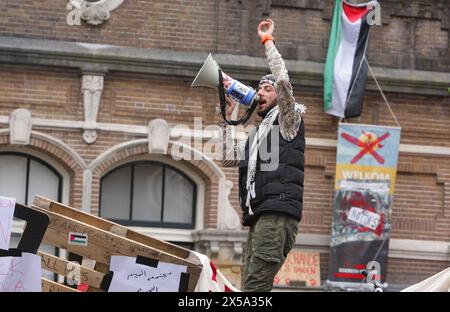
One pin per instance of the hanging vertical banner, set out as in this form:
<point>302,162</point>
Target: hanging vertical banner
<point>366,166</point>
<point>367,152</point>
<point>345,70</point>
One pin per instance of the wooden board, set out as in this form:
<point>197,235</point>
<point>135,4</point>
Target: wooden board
<point>63,267</point>
<point>102,243</point>
<point>103,224</point>
<point>50,286</point>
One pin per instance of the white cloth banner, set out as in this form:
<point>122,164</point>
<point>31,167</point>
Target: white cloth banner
<point>211,279</point>
<point>439,282</point>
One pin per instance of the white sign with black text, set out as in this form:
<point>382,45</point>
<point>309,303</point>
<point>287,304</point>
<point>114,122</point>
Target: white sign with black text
<point>130,276</point>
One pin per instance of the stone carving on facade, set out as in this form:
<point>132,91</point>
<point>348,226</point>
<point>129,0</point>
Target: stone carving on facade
<point>230,218</point>
<point>158,136</point>
<point>214,249</point>
<point>20,127</point>
<point>92,87</point>
<point>220,246</point>
<point>93,12</point>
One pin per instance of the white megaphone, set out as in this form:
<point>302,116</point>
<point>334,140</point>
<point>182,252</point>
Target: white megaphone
<point>210,76</point>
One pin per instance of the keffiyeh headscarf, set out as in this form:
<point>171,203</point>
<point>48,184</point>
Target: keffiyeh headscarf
<point>269,78</point>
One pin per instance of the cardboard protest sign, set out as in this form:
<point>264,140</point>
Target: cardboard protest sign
<point>301,268</point>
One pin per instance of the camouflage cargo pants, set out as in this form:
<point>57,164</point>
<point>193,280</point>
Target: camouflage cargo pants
<point>268,243</point>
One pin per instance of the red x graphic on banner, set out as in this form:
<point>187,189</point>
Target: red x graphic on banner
<point>369,145</point>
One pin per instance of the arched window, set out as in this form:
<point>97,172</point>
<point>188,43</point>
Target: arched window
<point>148,193</point>
<point>24,176</point>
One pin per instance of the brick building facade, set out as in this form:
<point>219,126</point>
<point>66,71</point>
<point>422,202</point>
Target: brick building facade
<point>92,91</point>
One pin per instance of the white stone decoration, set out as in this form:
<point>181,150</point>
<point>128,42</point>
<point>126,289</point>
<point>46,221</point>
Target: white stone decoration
<point>92,87</point>
<point>20,127</point>
<point>238,250</point>
<point>158,136</point>
<point>214,248</point>
<point>89,136</point>
<point>86,197</point>
<point>230,218</point>
<point>93,12</point>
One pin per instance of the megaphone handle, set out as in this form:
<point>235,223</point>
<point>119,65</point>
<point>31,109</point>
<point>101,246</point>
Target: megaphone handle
<point>235,112</point>
<point>223,104</point>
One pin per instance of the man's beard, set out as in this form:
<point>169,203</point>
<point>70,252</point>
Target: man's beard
<point>264,112</point>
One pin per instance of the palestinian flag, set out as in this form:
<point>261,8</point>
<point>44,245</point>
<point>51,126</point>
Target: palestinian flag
<point>345,68</point>
<point>80,239</point>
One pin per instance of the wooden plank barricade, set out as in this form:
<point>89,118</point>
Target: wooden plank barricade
<point>104,239</point>
<point>63,267</point>
<point>51,286</point>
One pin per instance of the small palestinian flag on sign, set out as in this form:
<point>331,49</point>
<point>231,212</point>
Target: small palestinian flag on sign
<point>79,239</point>
<point>345,67</point>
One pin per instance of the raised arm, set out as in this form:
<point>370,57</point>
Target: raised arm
<point>289,117</point>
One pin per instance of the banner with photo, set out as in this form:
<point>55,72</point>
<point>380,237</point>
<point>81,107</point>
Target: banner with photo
<point>366,166</point>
